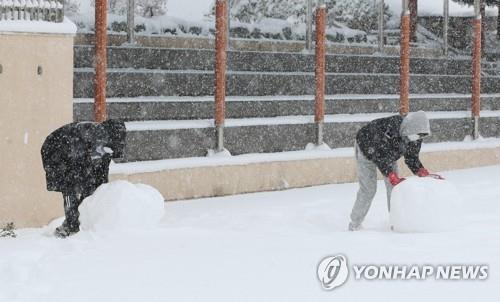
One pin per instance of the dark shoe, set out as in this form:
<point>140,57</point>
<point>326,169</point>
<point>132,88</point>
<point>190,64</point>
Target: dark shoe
<point>355,227</point>
<point>65,231</point>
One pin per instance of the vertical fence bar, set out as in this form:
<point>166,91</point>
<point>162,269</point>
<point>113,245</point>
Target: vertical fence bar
<point>413,7</point>
<point>100,114</point>
<point>24,7</point>
<point>404,85</point>
<point>53,11</point>
<point>44,10</point>
<point>309,24</point>
<point>37,9</point>
<point>228,24</point>
<point>131,22</point>
<point>17,5</point>
<point>381,8</point>
<point>62,11</point>
<point>319,111</point>
<point>220,70</point>
<point>446,13</point>
<point>476,72</point>
<point>40,9</point>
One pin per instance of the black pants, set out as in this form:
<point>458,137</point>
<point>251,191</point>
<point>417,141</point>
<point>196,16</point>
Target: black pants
<point>71,203</point>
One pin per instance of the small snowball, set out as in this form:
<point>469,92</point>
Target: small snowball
<point>122,205</point>
<point>214,153</point>
<point>314,147</point>
<point>425,205</point>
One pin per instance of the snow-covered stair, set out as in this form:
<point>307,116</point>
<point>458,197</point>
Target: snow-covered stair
<point>145,71</point>
<point>165,97</point>
<point>189,107</point>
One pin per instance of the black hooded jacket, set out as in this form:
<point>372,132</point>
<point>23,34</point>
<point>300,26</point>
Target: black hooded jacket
<point>383,142</point>
<point>76,157</point>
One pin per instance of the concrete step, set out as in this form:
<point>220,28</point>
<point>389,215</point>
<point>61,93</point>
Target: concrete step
<point>146,82</point>
<point>185,108</point>
<point>491,72</point>
<point>203,59</point>
<point>181,139</point>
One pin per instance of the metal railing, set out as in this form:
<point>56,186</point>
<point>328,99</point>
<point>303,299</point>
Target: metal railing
<point>32,10</point>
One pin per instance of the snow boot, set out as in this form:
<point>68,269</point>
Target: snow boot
<point>65,231</point>
<point>71,224</point>
<point>355,227</point>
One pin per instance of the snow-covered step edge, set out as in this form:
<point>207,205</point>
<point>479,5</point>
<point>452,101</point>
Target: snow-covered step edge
<point>277,73</point>
<point>288,120</point>
<point>245,159</point>
<point>275,52</point>
<point>167,99</point>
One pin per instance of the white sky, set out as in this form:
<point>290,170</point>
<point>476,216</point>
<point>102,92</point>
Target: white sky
<point>194,10</point>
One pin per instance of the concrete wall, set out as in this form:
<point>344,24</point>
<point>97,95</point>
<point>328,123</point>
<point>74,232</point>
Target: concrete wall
<point>32,106</point>
<point>200,182</point>
<point>252,45</point>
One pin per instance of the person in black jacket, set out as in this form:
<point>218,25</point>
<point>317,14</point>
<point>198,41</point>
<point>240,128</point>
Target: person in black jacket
<point>76,160</point>
<point>380,144</point>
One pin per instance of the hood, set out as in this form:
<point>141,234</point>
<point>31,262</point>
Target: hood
<point>415,123</point>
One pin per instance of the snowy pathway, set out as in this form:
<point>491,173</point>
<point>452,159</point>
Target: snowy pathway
<point>257,247</point>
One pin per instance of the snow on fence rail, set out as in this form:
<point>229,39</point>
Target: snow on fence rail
<point>32,10</point>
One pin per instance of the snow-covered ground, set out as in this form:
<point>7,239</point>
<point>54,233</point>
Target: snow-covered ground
<point>257,247</point>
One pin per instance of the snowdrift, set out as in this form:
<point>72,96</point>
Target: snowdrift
<point>122,205</point>
<point>425,205</point>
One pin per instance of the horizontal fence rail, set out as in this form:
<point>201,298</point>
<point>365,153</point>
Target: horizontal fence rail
<point>32,10</point>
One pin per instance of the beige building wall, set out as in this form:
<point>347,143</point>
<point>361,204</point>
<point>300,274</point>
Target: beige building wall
<point>32,106</point>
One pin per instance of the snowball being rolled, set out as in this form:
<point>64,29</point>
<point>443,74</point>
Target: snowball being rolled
<point>425,204</point>
<point>122,205</point>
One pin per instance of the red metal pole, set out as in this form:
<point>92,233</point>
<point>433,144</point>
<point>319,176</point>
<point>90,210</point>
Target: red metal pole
<point>476,77</point>
<point>220,70</point>
<point>320,72</point>
<point>404,85</point>
<point>100,114</point>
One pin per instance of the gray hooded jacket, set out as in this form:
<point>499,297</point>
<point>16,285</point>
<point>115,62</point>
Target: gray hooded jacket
<point>386,140</point>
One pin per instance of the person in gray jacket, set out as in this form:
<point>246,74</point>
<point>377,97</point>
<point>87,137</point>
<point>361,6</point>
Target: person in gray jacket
<point>380,144</point>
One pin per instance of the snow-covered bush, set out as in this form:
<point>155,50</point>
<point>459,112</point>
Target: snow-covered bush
<point>144,8</point>
<point>250,19</point>
<point>118,7</point>
<point>71,7</point>
<point>8,230</point>
<point>359,14</point>
<point>151,8</point>
<point>282,20</point>
<point>252,11</point>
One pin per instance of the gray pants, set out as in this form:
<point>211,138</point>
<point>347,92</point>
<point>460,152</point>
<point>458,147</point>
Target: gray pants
<point>367,176</point>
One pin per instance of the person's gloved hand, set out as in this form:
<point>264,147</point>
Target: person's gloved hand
<point>394,179</point>
<point>423,172</point>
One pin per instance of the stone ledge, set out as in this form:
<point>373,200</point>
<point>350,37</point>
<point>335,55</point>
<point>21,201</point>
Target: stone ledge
<point>210,181</point>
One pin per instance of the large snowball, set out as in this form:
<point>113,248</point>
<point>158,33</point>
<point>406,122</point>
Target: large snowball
<point>425,205</point>
<point>122,205</point>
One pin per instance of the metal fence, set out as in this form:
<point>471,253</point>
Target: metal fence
<point>32,10</point>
